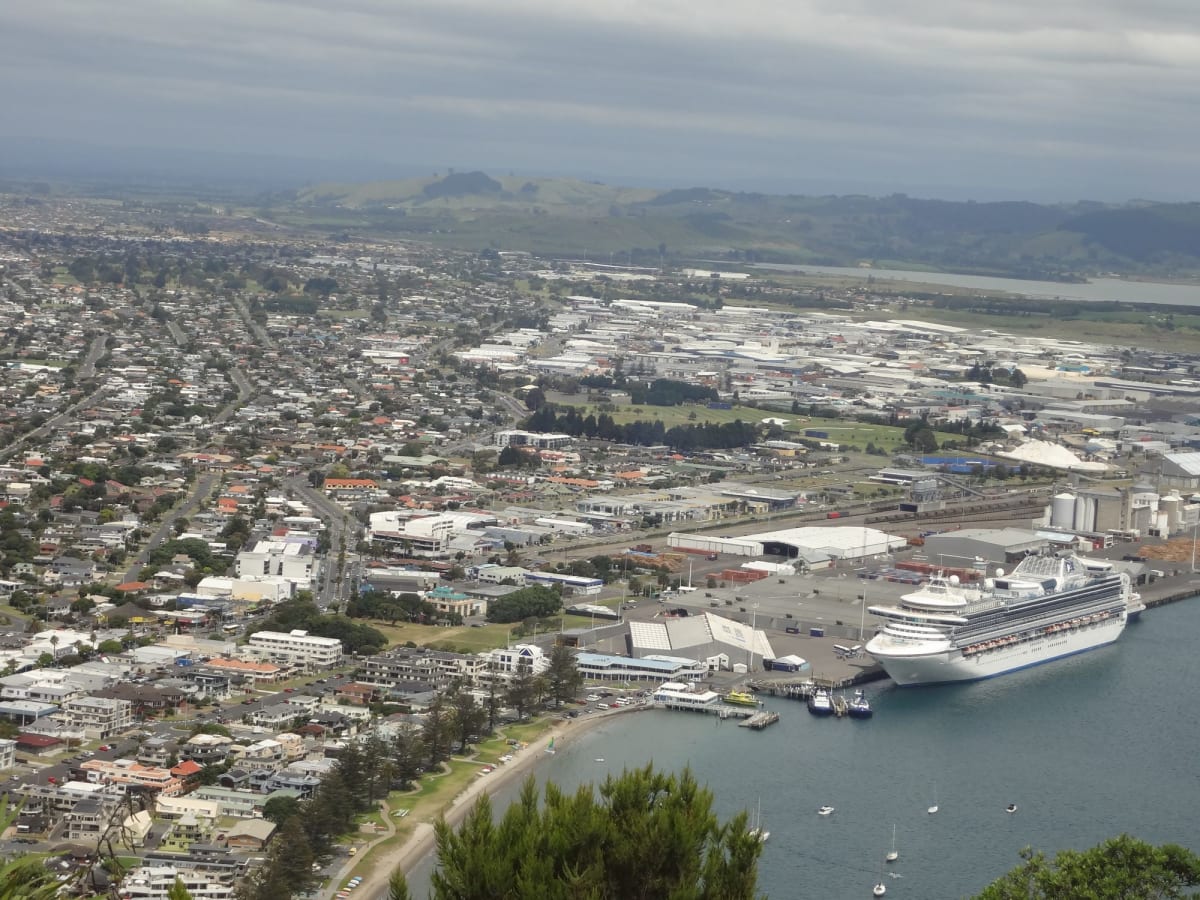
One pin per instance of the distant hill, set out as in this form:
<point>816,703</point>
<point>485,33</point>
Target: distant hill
<point>568,217</point>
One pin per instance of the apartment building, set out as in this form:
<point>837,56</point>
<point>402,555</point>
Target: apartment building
<point>126,772</point>
<point>98,717</point>
<point>417,664</point>
<point>8,754</point>
<point>155,883</point>
<point>297,647</point>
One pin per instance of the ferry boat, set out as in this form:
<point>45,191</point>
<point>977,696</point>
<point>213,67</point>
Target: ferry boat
<point>741,698</point>
<point>820,703</point>
<point>1050,606</point>
<point>859,707</point>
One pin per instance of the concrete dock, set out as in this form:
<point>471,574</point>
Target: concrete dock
<point>760,720</point>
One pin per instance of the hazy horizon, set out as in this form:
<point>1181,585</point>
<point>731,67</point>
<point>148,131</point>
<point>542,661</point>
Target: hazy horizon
<point>985,100</point>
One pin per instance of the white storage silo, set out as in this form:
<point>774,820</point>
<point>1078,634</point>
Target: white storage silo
<point>1087,520</point>
<point>1169,510</point>
<point>1062,511</point>
<point>1080,513</point>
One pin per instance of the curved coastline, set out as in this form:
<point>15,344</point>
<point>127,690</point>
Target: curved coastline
<point>422,841</point>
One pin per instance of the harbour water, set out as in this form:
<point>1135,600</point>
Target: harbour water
<point>1087,748</point>
<point>1097,289</point>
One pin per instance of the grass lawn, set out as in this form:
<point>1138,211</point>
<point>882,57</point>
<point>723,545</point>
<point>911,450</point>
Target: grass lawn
<point>466,638</point>
<point>1127,329</point>
<point>840,431</point>
<point>488,637</point>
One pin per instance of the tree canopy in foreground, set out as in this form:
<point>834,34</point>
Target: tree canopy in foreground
<point>1122,868</point>
<point>647,836</point>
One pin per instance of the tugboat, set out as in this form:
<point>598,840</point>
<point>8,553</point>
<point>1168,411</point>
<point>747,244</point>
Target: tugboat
<point>859,707</point>
<point>820,703</point>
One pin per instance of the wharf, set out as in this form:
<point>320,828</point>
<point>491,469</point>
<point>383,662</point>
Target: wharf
<point>1170,589</point>
<point>721,710</point>
<point>794,689</point>
<point>760,720</point>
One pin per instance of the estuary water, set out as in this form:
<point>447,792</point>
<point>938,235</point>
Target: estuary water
<point>1087,748</point>
<point>1097,289</point>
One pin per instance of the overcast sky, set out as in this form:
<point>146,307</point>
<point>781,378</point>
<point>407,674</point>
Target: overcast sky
<point>1059,99</point>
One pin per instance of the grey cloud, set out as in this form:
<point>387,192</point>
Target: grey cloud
<point>1100,93</point>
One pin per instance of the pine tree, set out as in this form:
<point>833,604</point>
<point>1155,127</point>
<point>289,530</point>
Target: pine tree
<point>647,836</point>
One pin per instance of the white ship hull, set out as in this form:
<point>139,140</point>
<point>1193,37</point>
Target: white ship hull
<point>908,668</point>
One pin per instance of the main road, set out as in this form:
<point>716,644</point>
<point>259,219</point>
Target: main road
<point>342,528</point>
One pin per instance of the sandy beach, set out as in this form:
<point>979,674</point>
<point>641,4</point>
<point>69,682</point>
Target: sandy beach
<point>422,840</point>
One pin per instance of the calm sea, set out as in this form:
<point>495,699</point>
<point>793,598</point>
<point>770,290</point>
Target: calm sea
<point>1102,289</point>
<point>1087,747</point>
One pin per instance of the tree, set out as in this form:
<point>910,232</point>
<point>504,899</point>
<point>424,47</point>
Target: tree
<point>647,835</point>
<point>288,869</point>
<point>178,891</point>
<point>1122,868</point>
<point>521,693</point>
<point>535,399</point>
<point>467,718</point>
<point>563,676</point>
<point>280,809</point>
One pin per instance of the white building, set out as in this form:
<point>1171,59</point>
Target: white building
<point>283,559</point>
<point>8,753</point>
<point>507,661</point>
<point>297,647</point>
<point>427,536</point>
<point>537,440</point>
<point>98,717</point>
<point>154,883</point>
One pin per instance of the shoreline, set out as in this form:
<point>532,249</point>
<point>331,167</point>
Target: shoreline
<point>422,841</point>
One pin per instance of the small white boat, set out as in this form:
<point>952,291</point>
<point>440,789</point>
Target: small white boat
<point>879,890</point>
<point>758,831</point>
<point>933,808</point>
<point>1011,808</point>
<point>893,854</point>
<point>824,810</point>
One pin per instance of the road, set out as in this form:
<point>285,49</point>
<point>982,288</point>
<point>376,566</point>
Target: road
<point>201,490</point>
<point>87,367</point>
<point>257,331</point>
<point>53,422</point>
<point>177,332</point>
<point>342,527</point>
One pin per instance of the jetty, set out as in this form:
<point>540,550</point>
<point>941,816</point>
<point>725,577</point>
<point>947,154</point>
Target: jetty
<point>760,720</point>
<point>720,710</point>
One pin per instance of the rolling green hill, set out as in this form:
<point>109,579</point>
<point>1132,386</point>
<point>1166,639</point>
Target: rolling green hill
<point>567,217</point>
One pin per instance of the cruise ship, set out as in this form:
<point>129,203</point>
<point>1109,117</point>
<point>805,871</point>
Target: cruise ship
<point>1048,607</point>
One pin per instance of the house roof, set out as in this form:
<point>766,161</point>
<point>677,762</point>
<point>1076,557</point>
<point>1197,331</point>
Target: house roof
<point>36,740</point>
<point>261,829</point>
